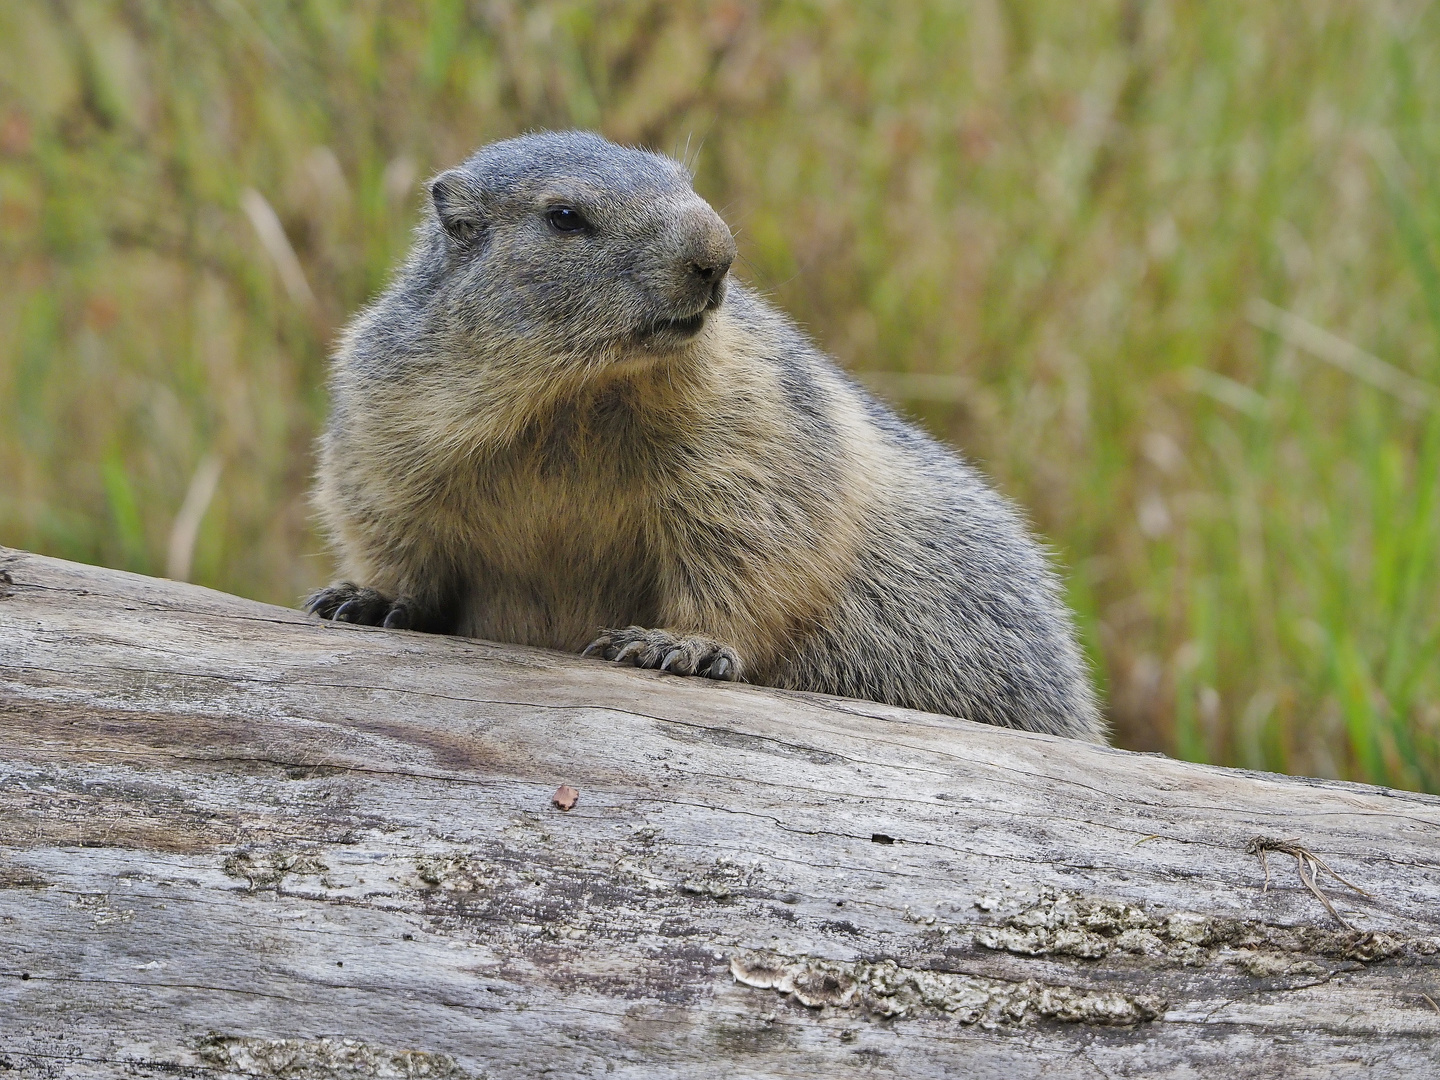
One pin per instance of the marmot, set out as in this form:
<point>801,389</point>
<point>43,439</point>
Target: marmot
<point>563,424</point>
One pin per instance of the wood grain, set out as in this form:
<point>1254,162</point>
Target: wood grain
<point>237,841</point>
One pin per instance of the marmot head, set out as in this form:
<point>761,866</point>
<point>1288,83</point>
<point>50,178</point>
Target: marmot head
<point>566,245</point>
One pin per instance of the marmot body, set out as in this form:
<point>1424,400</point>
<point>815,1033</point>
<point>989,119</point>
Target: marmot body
<point>563,425</point>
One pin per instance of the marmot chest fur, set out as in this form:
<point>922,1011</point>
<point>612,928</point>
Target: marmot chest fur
<point>564,425</point>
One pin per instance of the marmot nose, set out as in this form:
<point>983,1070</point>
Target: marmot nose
<point>707,249</point>
<point>710,270</point>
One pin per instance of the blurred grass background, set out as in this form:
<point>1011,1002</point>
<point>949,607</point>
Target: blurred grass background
<point>1168,270</point>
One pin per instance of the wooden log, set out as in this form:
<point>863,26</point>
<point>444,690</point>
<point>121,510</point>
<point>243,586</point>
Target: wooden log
<point>237,841</point>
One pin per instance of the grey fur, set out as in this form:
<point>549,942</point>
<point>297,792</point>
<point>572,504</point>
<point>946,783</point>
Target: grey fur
<point>592,439</point>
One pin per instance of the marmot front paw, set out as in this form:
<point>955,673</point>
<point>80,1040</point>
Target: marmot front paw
<point>690,655</point>
<point>348,602</point>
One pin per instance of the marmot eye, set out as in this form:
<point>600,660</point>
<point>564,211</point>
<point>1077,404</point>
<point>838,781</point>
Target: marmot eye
<point>566,219</point>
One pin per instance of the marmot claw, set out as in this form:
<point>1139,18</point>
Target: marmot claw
<point>664,651</point>
<point>348,602</point>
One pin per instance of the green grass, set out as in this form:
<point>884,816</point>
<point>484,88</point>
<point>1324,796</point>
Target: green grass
<point>1061,214</point>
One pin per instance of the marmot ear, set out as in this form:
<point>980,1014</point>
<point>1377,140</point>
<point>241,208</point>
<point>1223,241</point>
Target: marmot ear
<point>458,206</point>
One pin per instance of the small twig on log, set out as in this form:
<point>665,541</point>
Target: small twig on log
<point>1305,861</point>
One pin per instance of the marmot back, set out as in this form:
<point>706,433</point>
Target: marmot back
<point>564,425</point>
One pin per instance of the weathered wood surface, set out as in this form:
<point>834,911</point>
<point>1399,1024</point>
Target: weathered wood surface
<point>240,841</point>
